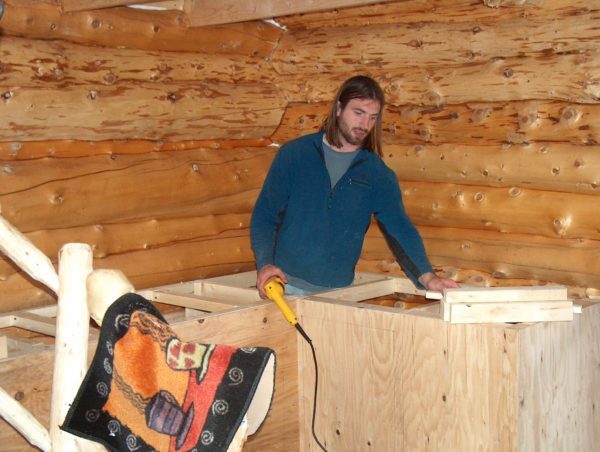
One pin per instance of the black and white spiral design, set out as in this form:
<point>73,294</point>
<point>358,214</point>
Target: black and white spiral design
<point>114,427</point>
<point>207,438</point>
<point>122,322</point>
<point>102,389</point>
<point>132,442</point>
<point>220,407</point>
<point>107,366</point>
<point>248,350</point>
<point>92,415</point>
<point>236,375</point>
<point>109,348</point>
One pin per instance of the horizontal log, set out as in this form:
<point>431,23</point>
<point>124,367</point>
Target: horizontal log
<point>418,11</point>
<point>481,123</point>
<point>119,238</point>
<point>51,64</point>
<point>510,210</point>
<point>178,111</point>
<point>466,277</point>
<point>391,46</point>
<point>19,291</point>
<point>514,122</point>
<point>27,150</point>
<point>137,29</point>
<point>183,261</point>
<point>573,262</point>
<point>500,79</point>
<point>60,193</point>
<point>543,166</point>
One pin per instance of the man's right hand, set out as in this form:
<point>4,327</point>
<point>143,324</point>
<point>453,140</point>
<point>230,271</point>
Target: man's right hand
<point>264,274</point>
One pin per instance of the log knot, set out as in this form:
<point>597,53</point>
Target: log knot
<point>7,95</point>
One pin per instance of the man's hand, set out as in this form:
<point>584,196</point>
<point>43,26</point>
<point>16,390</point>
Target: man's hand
<point>264,274</point>
<point>433,282</point>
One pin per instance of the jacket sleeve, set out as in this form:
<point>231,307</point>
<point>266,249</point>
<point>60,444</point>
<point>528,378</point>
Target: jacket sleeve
<point>402,236</point>
<point>270,208</point>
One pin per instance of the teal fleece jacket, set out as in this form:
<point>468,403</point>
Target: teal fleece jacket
<point>314,231</point>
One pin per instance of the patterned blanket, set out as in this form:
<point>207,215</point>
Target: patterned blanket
<point>148,390</point>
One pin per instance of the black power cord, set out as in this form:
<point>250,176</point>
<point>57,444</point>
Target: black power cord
<point>307,338</point>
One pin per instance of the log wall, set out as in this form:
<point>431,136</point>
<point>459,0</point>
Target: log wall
<point>148,139</point>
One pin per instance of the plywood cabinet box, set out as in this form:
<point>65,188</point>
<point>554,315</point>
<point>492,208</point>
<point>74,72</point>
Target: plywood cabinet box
<point>390,378</point>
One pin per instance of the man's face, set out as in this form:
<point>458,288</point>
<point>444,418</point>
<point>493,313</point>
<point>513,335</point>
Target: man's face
<point>356,120</point>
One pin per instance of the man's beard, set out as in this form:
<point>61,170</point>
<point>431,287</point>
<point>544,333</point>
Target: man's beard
<point>346,133</point>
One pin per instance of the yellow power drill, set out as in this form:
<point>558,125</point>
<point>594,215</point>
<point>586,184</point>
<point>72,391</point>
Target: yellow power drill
<point>274,288</point>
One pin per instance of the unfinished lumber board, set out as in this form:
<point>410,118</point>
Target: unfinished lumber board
<point>239,295</point>
<point>75,5</point>
<point>358,363</point>
<point>191,301</point>
<point>18,347</point>
<point>405,285</point>
<point>505,294</point>
<point>39,320</point>
<point>558,373</point>
<point>207,12</point>
<point>518,311</point>
<point>243,279</point>
<point>3,347</point>
<point>444,311</point>
<point>362,291</point>
<point>34,322</point>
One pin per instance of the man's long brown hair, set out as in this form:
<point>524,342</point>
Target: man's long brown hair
<point>357,87</point>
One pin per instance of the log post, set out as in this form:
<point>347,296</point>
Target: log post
<point>71,345</point>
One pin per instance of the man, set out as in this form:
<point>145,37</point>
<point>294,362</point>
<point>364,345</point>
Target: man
<point>310,219</point>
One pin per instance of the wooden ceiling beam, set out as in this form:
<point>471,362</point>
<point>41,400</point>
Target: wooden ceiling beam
<point>78,5</point>
<point>210,12</point>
